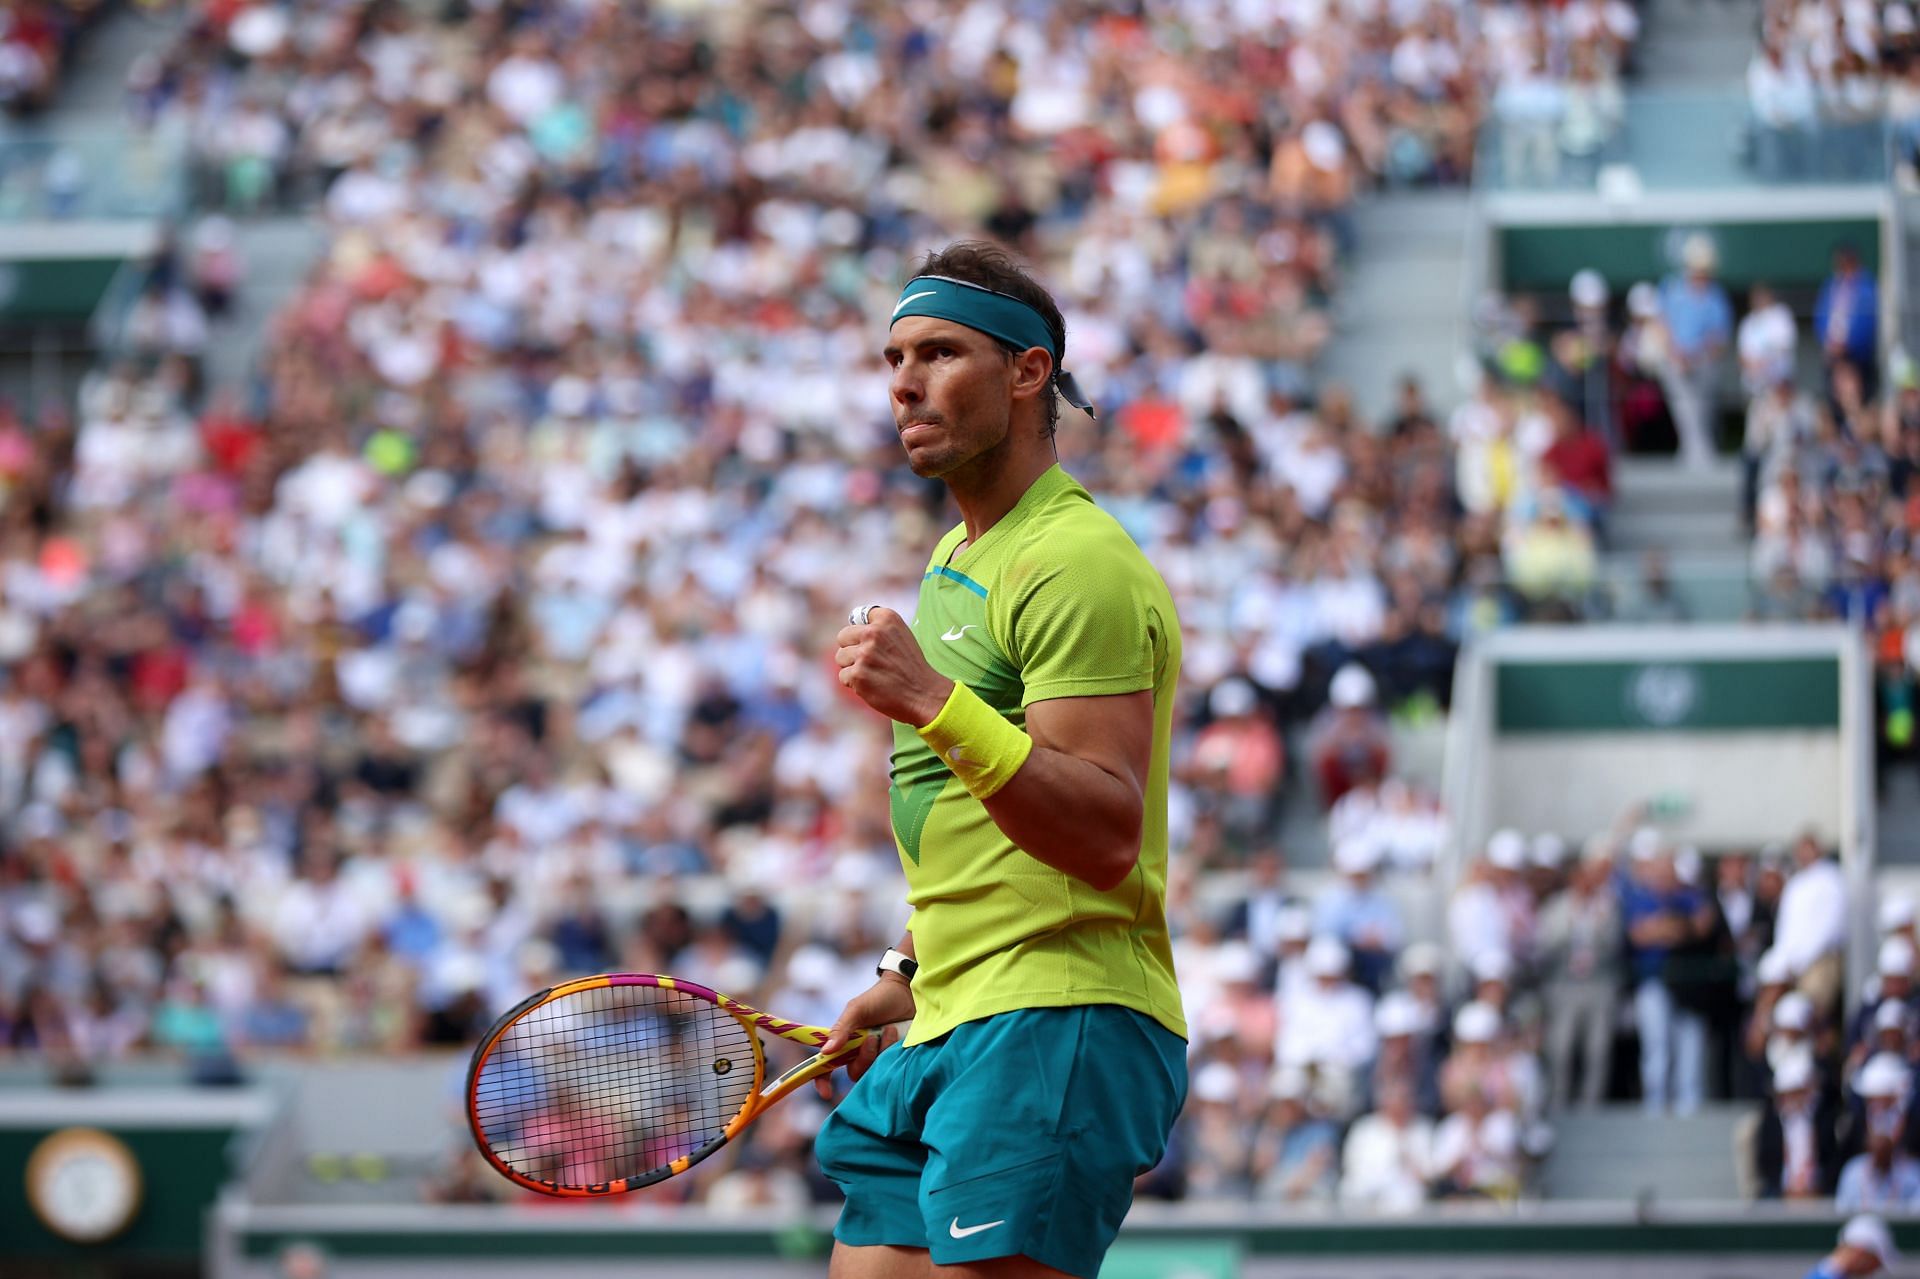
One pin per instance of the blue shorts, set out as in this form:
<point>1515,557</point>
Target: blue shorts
<point>1018,1134</point>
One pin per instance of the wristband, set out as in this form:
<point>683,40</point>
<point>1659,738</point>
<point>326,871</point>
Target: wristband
<point>896,962</point>
<point>980,745</point>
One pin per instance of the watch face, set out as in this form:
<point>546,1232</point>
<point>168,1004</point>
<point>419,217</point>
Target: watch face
<point>84,1184</point>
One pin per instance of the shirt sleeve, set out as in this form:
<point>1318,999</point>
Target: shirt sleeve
<point>1080,621</point>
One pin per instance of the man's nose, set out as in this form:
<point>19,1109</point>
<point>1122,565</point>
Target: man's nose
<point>907,388</point>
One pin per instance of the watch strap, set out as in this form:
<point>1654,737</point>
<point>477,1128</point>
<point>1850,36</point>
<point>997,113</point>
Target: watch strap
<point>897,962</point>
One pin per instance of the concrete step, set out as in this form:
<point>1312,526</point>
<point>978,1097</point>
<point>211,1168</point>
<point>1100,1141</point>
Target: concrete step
<point>278,252</point>
<point>1619,1152</point>
<point>1400,306</point>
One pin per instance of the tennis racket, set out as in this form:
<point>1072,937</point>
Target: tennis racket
<point>606,1084</point>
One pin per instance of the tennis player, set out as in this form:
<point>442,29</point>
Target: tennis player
<point>1032,698</point>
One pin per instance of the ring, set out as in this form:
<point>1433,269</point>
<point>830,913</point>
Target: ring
<point>859,616</point>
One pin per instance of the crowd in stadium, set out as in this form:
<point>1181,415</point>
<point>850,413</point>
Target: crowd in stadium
<point>1828,82</point>
<point>484,637</point>
<point>38,39</point>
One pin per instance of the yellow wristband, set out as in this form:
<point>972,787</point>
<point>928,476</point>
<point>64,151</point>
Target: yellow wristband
<point>981,746</point>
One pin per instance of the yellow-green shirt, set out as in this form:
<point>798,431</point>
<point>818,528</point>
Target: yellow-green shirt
<point>1054,600</point>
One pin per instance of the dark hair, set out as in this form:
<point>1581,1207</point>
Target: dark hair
<point>992,267</point>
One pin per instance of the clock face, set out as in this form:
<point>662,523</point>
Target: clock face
<point>85,1184</point>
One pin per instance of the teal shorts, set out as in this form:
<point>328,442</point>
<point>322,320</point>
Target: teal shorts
<point>1018,1134</point>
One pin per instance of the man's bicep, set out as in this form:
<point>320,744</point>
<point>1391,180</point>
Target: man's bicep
<point>1113,733</point>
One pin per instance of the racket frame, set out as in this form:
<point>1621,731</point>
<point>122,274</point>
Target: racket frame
<point>756,1103</point>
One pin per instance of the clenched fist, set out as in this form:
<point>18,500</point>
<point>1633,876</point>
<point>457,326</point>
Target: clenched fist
<point>881,662</point>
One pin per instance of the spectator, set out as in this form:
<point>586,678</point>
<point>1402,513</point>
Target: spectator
<point>1216,1137</point>
<point>1581,942</point>
<point>1846,316</point>
<point>1812,927</point>
<point>1884,1177</point>
<point>1296,1152</point>
<point>1780,95</point>
<point>1388,1156</point>
<point>1239,759</point>
<point>1661,915</point>
<point>1407,1055</point>
<point>1552,559</point>
<point>1328,1028</point>
<point>1348,742</point>
<point>1796,1151</point>
<point>1360,914</point>
<point>1493,909</point>
<point>1476,1149</point>
<point>1699,322</point>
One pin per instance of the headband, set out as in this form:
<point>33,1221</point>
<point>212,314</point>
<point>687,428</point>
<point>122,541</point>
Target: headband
<point>998,315</point>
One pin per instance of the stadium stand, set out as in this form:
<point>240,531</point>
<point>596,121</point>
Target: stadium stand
<point>477,637</point>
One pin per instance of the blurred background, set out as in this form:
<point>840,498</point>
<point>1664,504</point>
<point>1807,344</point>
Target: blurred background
<point>440,438</point>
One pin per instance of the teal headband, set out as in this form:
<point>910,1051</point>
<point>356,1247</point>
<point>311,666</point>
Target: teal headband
<point>998,315</point>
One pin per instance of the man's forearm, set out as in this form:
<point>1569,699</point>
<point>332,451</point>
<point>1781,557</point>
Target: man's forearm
<point>1073,815</point>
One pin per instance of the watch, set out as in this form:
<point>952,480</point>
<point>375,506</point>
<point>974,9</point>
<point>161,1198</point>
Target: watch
<point>896,962</point>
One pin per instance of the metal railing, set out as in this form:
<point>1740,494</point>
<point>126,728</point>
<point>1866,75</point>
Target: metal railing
<point>1668,140</point>
<point>55,175</point>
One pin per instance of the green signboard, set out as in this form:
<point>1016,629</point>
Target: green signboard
<point>54,290</point>
<point>1790,254</point>
<point>1682,696</point>
<point>181,1172</point>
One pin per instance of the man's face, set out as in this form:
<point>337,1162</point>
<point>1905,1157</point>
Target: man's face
<point>951,393</point>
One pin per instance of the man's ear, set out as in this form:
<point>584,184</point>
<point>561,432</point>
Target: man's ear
<point>1032,372</point>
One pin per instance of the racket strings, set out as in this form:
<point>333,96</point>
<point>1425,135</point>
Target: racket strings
<point>612,1083</point>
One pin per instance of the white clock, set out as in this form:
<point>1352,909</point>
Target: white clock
<point>84,1184</point>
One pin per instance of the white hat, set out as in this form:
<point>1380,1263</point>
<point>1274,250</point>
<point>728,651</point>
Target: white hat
<point>1217,1082</point>
<point>1793,1011</point>
<point>1230,697</point>
<point>1507,849</point>
<point>1476,1023</point>
<point>1289,1083</point>
<point>1773,968</point>
<point>1549,850</point>
<point>1327,958</point>
<point>1293,922</point>
<point>1352,687</point>
<point>1890,1015</point>
<point>1589,288</point>
<point>1896,957</point>
<point>1356,855</point>
<point>1643,301</point>
<point>1422,959</point>
<point>1397,1013</point>
<point>1884,1077</point>
<point>1699,253</point>
<point>1492,965</point>
<point>1235,961</point>
<point>1870,1234</point>
<point>1895,913</point>
<point>1794,1072</point>
<point>1645,844</point>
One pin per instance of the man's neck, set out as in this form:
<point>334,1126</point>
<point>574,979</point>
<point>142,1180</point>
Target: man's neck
<point>988,487</point>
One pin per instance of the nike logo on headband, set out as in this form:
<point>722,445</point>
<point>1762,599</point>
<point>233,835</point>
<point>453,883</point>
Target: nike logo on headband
<point>910,297</point>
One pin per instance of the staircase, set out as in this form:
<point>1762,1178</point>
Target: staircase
<point>1620,1152</point>
<point>1402,307</point>
<point>1692,43</point>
